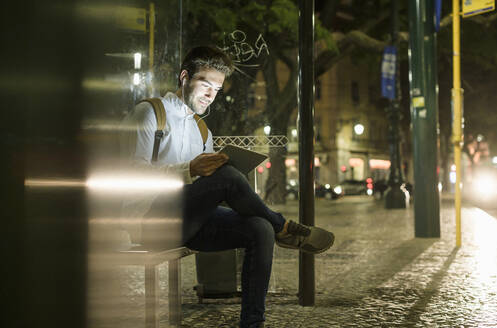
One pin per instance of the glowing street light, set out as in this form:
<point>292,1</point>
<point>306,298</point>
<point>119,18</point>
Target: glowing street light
<point>359,129</point>
<point>267,130</point>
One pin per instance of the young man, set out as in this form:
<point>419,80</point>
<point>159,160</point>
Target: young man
<point>248,223</point>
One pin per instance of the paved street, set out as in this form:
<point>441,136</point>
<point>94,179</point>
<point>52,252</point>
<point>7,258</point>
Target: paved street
<point>376,275</point>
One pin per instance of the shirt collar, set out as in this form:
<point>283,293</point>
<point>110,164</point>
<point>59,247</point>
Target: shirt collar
<point>179,104</point>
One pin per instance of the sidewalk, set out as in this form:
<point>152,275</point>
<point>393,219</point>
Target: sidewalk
<point>376,275</point>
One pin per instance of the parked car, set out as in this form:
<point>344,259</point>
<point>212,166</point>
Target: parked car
<point>321,191</point>
<point>325,191</point>
<point>354,187</point>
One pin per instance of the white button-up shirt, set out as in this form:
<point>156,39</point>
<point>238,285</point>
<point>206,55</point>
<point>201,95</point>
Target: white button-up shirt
<point>181,143</point>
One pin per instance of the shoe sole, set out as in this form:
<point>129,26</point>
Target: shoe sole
<point>310,251</point>
<point>286,246</point>
<point>331,242</point>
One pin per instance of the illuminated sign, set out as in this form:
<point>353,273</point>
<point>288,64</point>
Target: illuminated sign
<point>380,164</point>
<point>476,7</point>
<point>290,162</point>
<point>356,162</point>
<point>388,69</point>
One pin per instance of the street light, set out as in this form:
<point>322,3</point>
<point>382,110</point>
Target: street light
<point>267,130</point>
<point>359,129</point>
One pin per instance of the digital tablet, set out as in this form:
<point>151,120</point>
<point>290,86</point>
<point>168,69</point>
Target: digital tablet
<point>243,159</point>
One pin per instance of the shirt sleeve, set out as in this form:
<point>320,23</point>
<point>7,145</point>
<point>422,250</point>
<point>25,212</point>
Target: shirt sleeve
<point>137,143</point>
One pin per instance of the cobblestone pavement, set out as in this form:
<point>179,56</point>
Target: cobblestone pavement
<point>376,275</point>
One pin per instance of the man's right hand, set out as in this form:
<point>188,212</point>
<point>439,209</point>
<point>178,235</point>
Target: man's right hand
<point>206,164</point>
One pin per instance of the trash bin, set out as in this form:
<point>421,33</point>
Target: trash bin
<point>218,274</point>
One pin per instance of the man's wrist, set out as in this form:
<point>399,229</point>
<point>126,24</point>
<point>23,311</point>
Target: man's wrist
<point>187,175</point>
<point>190,173</point>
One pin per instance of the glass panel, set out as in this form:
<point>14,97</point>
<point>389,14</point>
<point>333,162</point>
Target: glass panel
<point>258,104</point>
<point>135,53</point>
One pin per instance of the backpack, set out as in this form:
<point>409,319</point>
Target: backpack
<point>160,115</point>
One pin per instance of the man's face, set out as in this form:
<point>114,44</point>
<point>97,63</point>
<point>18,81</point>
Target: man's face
<point>201,89</point>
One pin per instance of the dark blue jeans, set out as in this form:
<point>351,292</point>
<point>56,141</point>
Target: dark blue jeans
<point>249,224</point>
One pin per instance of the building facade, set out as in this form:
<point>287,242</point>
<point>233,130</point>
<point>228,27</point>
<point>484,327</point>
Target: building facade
<point>350,128</point>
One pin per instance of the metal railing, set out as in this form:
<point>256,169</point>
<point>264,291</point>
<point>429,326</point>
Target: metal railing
<point>250,142</point>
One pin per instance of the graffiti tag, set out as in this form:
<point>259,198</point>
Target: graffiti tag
<point>242,51</point>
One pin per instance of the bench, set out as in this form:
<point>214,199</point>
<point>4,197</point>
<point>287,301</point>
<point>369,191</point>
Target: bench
<point>151,260</point>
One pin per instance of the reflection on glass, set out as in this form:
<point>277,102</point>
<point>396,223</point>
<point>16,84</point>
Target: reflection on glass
<point>138,60</point>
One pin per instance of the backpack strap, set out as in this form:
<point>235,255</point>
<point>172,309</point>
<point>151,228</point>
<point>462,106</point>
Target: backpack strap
<point>160,116</point>
<point>204,131</point>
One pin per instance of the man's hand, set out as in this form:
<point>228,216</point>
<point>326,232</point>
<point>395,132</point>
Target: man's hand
<point>206,164</point>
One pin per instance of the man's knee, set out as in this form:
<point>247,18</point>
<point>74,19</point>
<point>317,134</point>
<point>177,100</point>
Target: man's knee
<point>261,230</point>
<point>229,172</point>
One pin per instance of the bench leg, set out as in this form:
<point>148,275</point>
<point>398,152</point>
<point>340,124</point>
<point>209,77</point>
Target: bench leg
<point>174,292</point>
<point>151,296</point>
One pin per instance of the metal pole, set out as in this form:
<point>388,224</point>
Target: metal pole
<point>457,126</point>
<point>306,143</point>
<point>395,196</point>
<point>432,227</point>
<point>422,41</point>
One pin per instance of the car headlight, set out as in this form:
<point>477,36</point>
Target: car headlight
<point>484,186</point>
<point>338,190</point>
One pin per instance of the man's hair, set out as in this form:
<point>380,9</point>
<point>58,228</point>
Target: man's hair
<point>206,57</point>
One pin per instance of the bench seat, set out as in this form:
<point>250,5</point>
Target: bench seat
<point>151,259</point>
